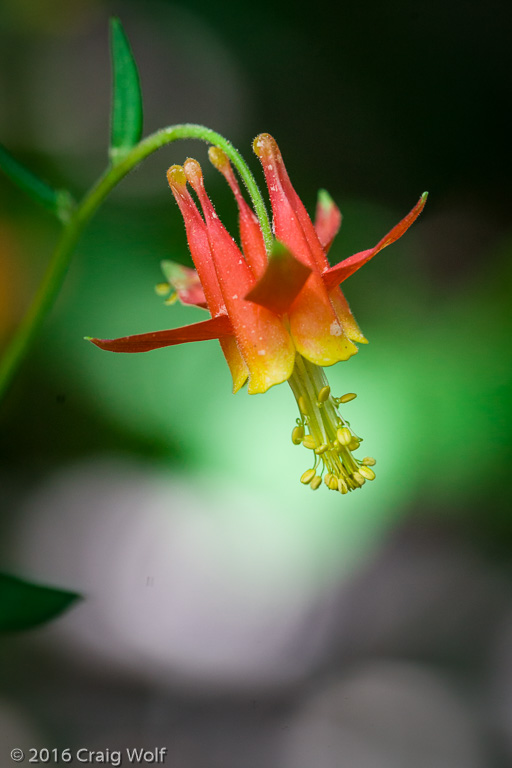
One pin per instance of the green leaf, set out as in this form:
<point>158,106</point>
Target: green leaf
<point>126,121</point>
<point>24,605</point>
<point>58,201</point>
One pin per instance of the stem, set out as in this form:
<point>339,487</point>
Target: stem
<point>80,216</point>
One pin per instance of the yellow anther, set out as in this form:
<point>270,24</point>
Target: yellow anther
<point>323,395</point>
<point>297,435</point>
<point>308,476</point>
<point>366,472</point>
<point>358,478</point>
<point>192,170</point>
<point>320,427</point>
<point>302,405</point>
<point>162,289</point>
<point>333,483</point>
<point>172,299</point>
<point>368,461</point>
<point>344,435</point>
<point>218,158</point>
<point>263,143</point>
<point>176,176</point>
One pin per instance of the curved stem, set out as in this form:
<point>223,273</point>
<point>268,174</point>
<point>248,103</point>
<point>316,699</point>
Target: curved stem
<point>59,263</point>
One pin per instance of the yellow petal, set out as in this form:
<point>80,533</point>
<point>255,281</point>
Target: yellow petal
<point>315,329</point>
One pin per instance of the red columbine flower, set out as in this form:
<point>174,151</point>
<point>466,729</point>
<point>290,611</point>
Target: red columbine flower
<point>278,316</point>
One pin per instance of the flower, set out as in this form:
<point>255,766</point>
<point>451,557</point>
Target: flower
<point>279,316</point>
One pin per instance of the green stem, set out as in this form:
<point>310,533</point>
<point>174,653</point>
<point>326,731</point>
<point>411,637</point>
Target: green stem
<point>79,217</point>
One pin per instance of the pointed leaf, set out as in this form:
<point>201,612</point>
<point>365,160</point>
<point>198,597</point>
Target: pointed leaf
<point>281,282</point>
<point>126,120</point>
<point>337,274</point>
<point>58,201</point>
<point>24,605</point>
<point>214,328</point>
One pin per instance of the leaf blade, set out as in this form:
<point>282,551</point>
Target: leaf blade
<point>24,605</point>
<point>127,113</point>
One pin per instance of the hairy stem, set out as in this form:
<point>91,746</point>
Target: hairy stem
<point>57,268</point>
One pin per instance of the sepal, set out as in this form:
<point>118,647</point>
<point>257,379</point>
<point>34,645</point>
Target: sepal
<point>337,274</point>
<point>214,328</point>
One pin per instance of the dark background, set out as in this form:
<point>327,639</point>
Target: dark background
<point>281,628</point>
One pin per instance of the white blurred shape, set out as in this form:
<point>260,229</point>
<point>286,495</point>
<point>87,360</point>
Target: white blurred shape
<point>386,715</point>
<point>181,583</point>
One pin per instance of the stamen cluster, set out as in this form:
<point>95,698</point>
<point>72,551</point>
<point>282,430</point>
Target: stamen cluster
<point>323,430</point>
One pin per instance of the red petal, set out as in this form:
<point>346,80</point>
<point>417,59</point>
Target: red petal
<point>327,219</point>
<point>336,275</point>
<point>233,273</point>
<point>282,281</point>
<point>197,238</point>
<point>291,220</point>
<point>214,328</point>
<point>199,245</point>
<point>251,237</point>
<point>262,339</point>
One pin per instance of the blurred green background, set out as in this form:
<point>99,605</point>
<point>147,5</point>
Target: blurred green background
<point>374,102</point>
